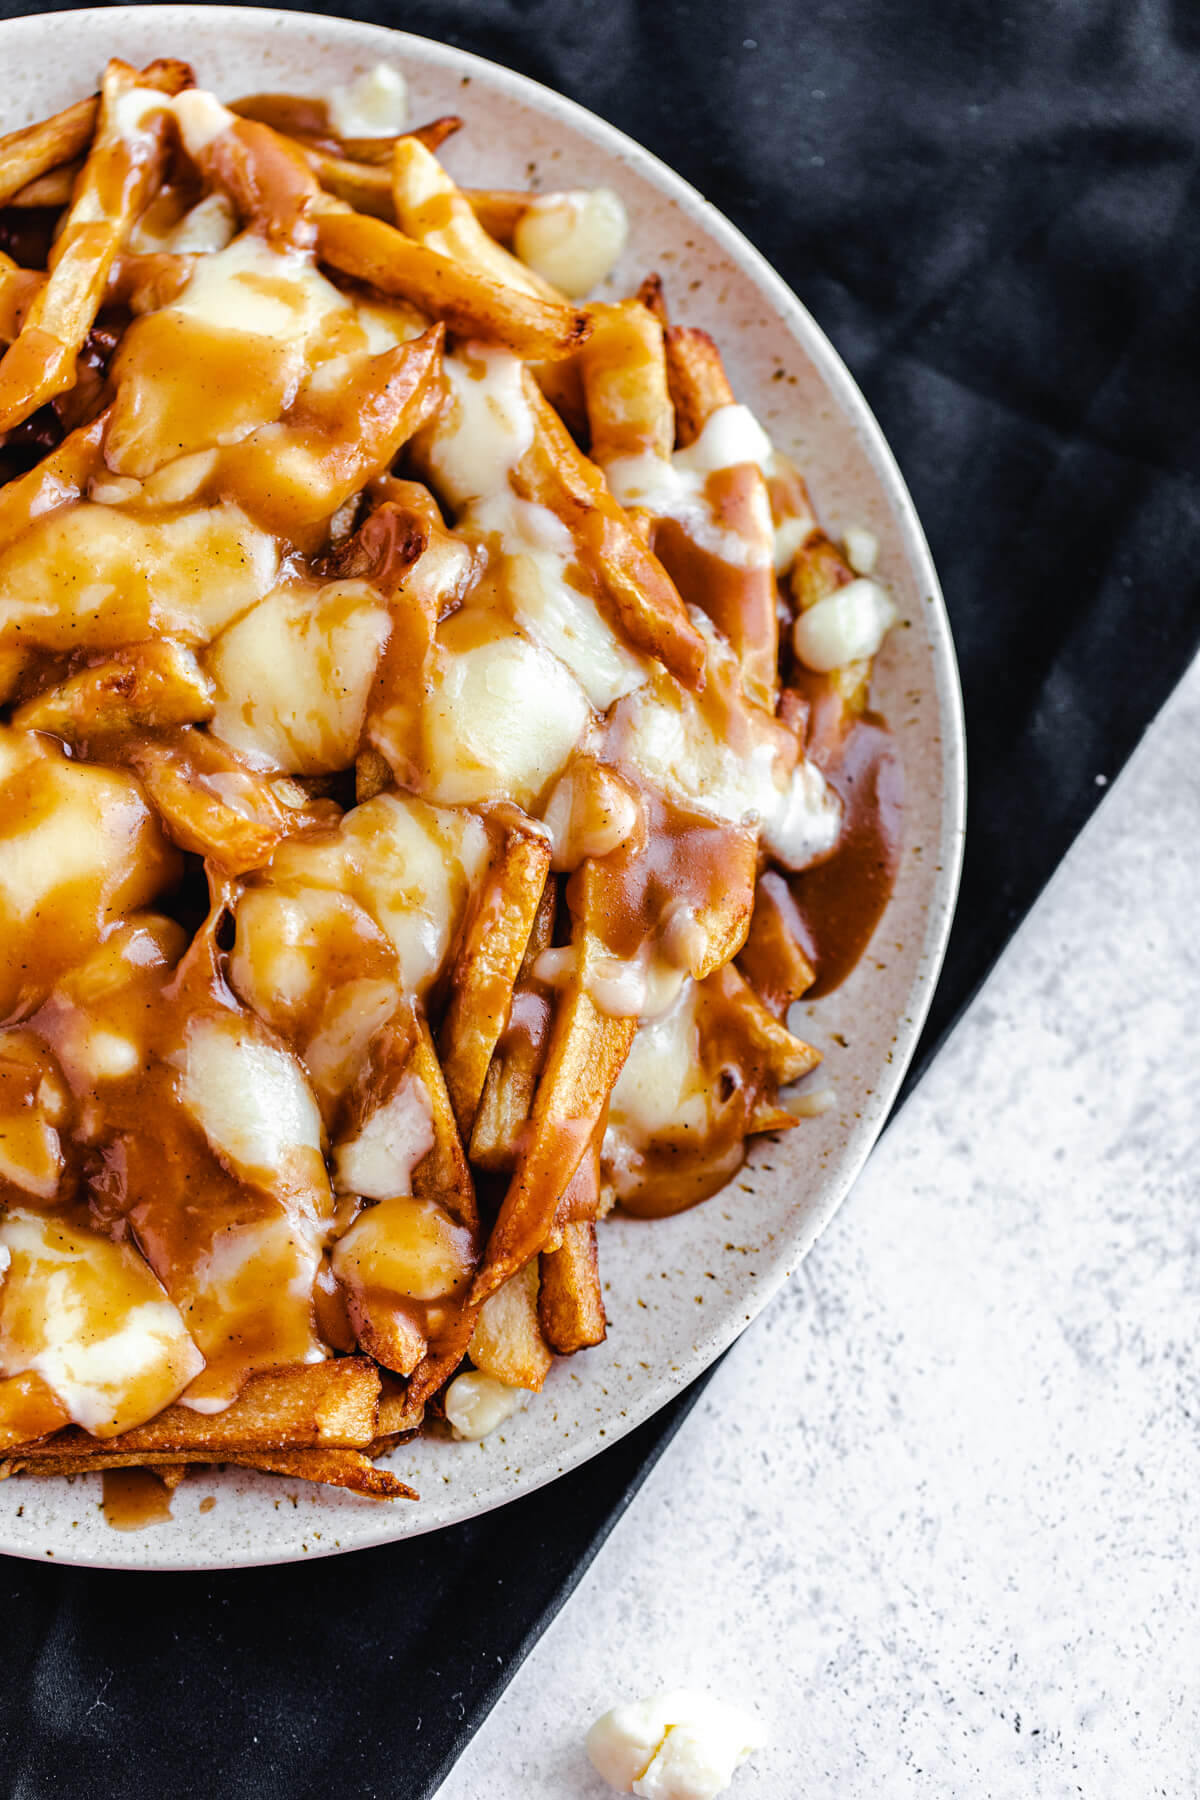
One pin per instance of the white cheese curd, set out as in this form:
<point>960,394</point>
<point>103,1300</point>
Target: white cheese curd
<point>535,552</point>
<point>790,538</point>
<point>501,720</point>
<point>378,1161</point>
<point>486,428</point>
<point>666,737</point>
<point>681,1745</point>
<point>201,119</point>
<point>208,226</point>
<point>89,1317</point>
<point>134,112</point>
<point>250,1099</point>
<point>375,105</point>
<point>662,1088</point>
<point>267,293</point>
<point>844,627</point>
<point>862,549</point>
<point>574,239</point>
<point>476,1403</point>
<point>674,487</point>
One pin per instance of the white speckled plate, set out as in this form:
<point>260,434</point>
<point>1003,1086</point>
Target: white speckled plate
<point>680,1290</point>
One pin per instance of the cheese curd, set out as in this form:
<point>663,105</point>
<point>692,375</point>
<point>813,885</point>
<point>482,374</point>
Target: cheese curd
<point>574,239</point>
<point>681,1745</point>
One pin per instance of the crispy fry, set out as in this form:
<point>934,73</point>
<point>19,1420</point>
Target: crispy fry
<point>586,1052</point>
<point>507,1341</point>
<point>570,1302</point>
<point>52,189</point>
<point>211,803</point>
<point>511,1083</point>
<point>773,959</point>
<point>18,289</point>
<point>499,210</point>
<point>118,177</point>
<point>555,473</point>
<point>59,478</point>
<point>444,1174</point>
<point>35,150</point>
<point>697,379</point>
<point>332,1468</point>
<point>624,369</point>
<point>364,186</point>
<point>489,961</point>
<point>148,686</point>
<point>328,1403</point>
<point>431,209</point>
<point>372,251</point>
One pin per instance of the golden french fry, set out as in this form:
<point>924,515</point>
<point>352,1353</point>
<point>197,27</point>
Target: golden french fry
<point>366,187</point>
<point>120,174</point>
<point>570,1301</point>
<point>332,1468</point>
<point>211,803</point>
<point>148,686</point>
<point>624,368</point>
<point>697,379</point>
<point>326,1403</point>
<point>507,1098</point>
<point>430,208</point>
<point>18,289</point>
<point>444,1174</point>
<point>370,250</point>
<point>499,210</point>
<point>586,1052</point>
<point>35,150</point>
<point>556,474</point>
<point>53,189</point>
<point>296,116</point>
<point>59,478</point>
<point>773,958</point>
<point>766,1047</point>
<point>507,1341</point>
<point>482,982</point>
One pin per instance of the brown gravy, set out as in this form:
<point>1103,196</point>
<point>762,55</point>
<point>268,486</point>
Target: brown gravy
<point>134,1498</point>
<point>841,901</point>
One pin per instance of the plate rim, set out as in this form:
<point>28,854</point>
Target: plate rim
<point>665,1384</point>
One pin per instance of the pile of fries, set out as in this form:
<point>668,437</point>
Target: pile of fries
<point>422,695</point>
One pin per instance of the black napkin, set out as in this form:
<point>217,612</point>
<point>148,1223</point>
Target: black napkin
<point>992,212</point>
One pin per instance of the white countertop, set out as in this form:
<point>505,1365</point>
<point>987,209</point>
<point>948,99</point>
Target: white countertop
<point>936,1516</point>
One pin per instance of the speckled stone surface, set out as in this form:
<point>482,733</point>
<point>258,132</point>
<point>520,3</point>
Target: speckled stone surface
<point>936,1515</point>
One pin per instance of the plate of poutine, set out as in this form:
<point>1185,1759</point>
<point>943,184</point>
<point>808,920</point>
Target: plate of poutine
<point>481,786</point>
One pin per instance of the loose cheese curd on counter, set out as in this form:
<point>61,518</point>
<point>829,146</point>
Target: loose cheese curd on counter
<point>88,1316</point>
<point>573,239</point>
<point>681,1745</point>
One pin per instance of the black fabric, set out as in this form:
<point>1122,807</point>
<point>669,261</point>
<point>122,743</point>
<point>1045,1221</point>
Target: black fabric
<point>992,212</point>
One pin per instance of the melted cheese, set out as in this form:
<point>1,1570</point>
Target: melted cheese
<point>378,1161</point>
<point>573,239</point>
<point>410,867</point>
<point>676,487</point>
<point>661,1090</point>
<point>253,1104</point>
<point>373,105</point>
<point>410,1249</point>
<point>88,1316</point>
<point>485,427</point>
<point>294,674</point>
<point>501,719</point>
<point>846,626</point>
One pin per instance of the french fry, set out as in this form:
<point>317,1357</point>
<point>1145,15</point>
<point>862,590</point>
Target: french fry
<point>430,208</point>
<point>489,961</point>
<point>53,189</point>
<point>773,958</point>
<point>35,150</point>
<point>507,1341</point>
<point>18,289</point>
<point>507,1098</point>
<point>499,211</point>
<point>370,250</point>
<point>556,474</point>
<point>59,478</point>
<point>570,1302</point>
<point>364,186</point>
<point>332,1468</point>
<point>444,1174</point>
<point>149,686</point>
<point>586,1052</point>
<point>624,368</point>
<point>332,1403</point>
<point>211,803</point>
<point>118,178</point>
<point>307,120</point>
<point>697,379</point>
